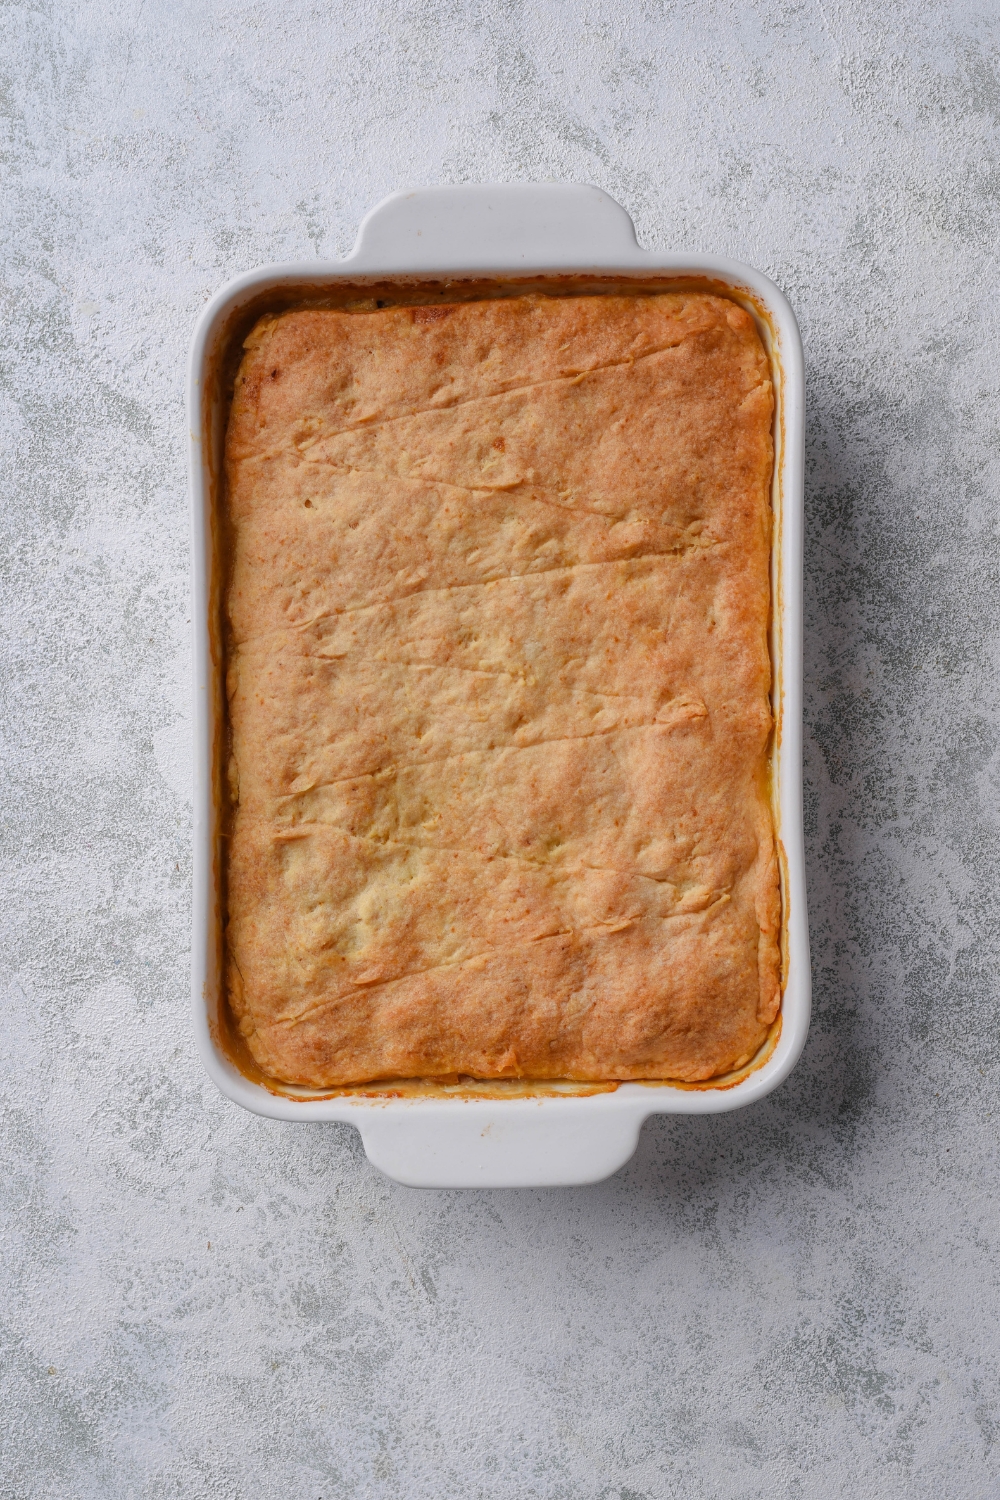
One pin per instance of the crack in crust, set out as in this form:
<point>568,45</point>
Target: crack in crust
<point>557,739</point>
<point>609,928</point>
<point>303,830</point>
<point>679,552</point>
<point>372,423</point>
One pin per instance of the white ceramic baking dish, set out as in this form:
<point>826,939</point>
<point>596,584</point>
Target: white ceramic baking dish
<point>504,232</point>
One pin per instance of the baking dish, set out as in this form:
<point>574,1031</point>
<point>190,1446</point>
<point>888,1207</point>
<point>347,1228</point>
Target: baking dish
<point>497,1135</point>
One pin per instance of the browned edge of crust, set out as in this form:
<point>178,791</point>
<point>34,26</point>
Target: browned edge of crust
<point>368,294</point>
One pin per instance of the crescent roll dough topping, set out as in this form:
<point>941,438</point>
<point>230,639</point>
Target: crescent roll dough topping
<point>498,684</point>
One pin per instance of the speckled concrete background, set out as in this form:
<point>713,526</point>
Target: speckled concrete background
<point>799,1300</point>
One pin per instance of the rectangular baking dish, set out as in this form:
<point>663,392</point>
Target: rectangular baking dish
<point>509,1135</point>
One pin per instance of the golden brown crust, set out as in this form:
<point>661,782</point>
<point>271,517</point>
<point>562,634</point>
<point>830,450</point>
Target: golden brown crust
<point>498,691</point>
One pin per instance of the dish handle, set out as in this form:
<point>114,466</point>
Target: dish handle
<point>517,1143</point>
<point>489,226</point>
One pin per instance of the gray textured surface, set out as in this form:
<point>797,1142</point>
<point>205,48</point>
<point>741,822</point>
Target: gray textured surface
<point>800,1300</point>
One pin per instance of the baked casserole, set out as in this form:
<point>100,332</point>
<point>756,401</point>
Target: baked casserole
<point>498,678</point>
